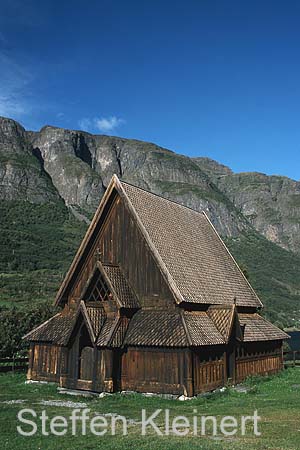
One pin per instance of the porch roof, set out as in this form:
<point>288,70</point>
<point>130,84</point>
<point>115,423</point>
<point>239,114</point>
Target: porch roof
<point>256,328</point>
<point>56,330</point>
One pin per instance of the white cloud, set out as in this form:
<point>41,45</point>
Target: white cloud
<point>108,124</point>
<point>104,124</point>
<point>85,124</point>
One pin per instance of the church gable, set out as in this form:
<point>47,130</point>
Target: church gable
<point>125,260</point>
<point>107,284</point>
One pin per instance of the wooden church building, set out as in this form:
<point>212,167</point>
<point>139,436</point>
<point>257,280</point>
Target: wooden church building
<point>153,302</point>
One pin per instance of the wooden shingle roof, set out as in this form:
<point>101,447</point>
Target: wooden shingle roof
<point>107,331</point>
<point>172,329</point>
<point>97,318</point>
<point>201,329</point>
<point>256,328</point>
<point>222,317</point>
<point>190,252</point>
<point>113,277</point>
<point>56,330</point>
<point>120,286</point>
<point>156,328</point>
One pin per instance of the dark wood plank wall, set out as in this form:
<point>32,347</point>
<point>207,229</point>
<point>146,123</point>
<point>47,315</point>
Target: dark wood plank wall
<point>208,375</point>
<point>208,369</point>
<point>121,242</point>
<point>257,365</point>
<point>258,359</point>
<point>99,374</point>
<point>158,370</point>
<point>154,370</point>
<point>45,362</point>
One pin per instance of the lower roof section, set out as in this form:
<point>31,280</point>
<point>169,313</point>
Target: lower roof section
<point>156,328</point>
<point>161,328</point>
<point>56,330</point>
<point>256,328</point>
<point>172,329</point>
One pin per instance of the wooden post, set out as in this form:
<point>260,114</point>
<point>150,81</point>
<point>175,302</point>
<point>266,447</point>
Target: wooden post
<point>225,367</point>
<point>188,385</point>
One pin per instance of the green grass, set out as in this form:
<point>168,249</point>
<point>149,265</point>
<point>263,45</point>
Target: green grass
<point>277,400</point>
<point>25,160</point>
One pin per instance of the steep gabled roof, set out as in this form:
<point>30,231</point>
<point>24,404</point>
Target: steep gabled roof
<point>191,251</point>
<point>188,251</point>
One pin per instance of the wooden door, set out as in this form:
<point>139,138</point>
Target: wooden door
<point>86,364</point>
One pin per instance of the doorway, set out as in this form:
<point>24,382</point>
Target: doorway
<point>85,355</point>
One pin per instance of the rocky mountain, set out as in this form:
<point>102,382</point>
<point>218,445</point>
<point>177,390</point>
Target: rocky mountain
<point>21,174</point>
<point>81,165</point>
<point>77,166</point>
<point>64,173</point>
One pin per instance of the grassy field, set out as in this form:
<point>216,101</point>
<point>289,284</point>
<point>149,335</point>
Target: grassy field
<point>277,400</point>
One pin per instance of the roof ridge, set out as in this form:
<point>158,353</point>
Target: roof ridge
<point>231,322</point>
<point>102,271</point>
<point>115,321</point>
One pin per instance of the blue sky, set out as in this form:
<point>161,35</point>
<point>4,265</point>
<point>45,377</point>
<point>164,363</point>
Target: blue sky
<point>203,78</point>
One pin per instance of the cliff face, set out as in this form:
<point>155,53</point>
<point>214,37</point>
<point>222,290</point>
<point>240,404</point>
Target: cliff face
<point>76,167</point>
<point>271,204</point>
<point>81,165</point>
<point>21,174</point>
